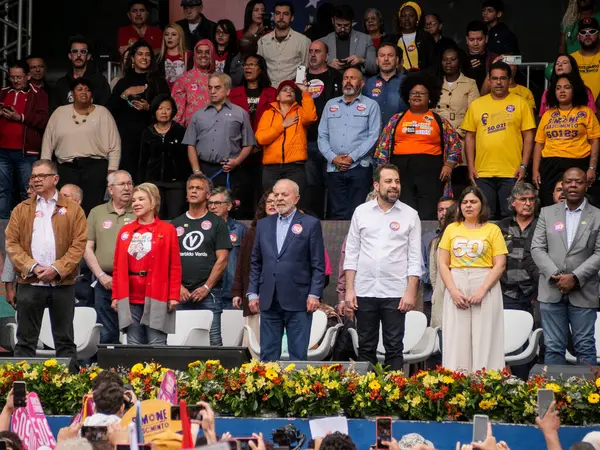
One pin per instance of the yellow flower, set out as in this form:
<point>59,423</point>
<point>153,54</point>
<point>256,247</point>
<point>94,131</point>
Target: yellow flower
<point>416,401</point>
<point>137,369</point>
<point>50,363</point>
<point>569,399</point>
<point>271,374</point>
<point>136,382</point>
<point>387,388</point>
<point>395,395</point>
<point>332,384</point>
<point>213,362</point>
<point>374,385</point>
<point>260,383</point>
<point>429,381</point>
<point>594,398</point>
<point>290,367</point>
<point>494,375</point>
<point>529,408</point>
<point>555,387</point>
<point>459,400</point>
<point>446,379</point>
<point>164,370</point>
<point>487,404</point>
<point>194,364</point>
<point>93,375</point>
<point>598,382</point>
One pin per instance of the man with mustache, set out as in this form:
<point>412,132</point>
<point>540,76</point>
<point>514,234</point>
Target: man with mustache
<point>138,13</point>
<point>195,25</point>
<point>283,48</point>
<point>348,131</point>
<point>588,57</point>
<point>80,56</point>
<point>566,249</point>
<point>383,268</point>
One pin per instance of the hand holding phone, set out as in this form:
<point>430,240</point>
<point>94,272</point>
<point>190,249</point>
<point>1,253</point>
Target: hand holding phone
<point>194,412</point>
<point>19,394</point>
<point>383,429</point>
<point>545,397</point>
<point>480,427</point>
<point>300,74</point>
<point>244,443</point>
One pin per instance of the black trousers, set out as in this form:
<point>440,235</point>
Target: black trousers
<point>237,180</point>
<point>293,171</point>
<point>250,195</point>
<point>30,310</point>
<point>371,311</point>
<point>90,175</point>
<point>420,180</point>
<point>552,169</point>
<point>172,199</point>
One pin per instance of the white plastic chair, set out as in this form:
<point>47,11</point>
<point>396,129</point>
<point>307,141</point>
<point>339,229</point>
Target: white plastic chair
<point>573,360</point>
<point>232,328</point>
<point>518,332</point>
<point>191,328</point>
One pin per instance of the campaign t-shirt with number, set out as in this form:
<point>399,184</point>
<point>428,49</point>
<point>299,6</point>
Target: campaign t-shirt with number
<point>417,134</point>
<point>199,240</point>
<point>473,248</point>
<point>565,134</point>
<point>138,261</point>
<point>498,125</point>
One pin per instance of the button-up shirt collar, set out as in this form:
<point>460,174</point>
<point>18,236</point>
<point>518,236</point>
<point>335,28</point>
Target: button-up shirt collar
<point>572,219</point>
<point>283,225</point>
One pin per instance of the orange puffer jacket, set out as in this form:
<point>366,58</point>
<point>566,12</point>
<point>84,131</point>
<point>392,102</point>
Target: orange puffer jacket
<point>282,146</point>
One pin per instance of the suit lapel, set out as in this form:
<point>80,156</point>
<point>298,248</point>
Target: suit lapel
<point>562,219</point>
<point>292,232</point>
<point>353,42</point>
<point>584,221</point>
<point>273,232</point>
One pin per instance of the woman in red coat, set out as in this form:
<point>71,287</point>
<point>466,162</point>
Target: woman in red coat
<point>255,95</point>
<point>147,272</point>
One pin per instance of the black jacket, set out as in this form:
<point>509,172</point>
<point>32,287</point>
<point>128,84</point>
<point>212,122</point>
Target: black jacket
<point>502,41</point>
<point>428,59</point>
<point>164,158</point>
<point>100,88</point>
<point>205,30</point>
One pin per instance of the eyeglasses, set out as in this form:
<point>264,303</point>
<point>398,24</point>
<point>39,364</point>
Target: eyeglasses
<point>343,26</point>
<point>41,176</point>
<point>526,199</point>
<point>503,78</point>
<point>216,203</point>
<point>418,93</point>
<point>16,77</point>
<point>83,51</point>
<point>588,32</point>
<point>122,185</point>
<point>250,65</point>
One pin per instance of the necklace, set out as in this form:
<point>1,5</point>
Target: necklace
<point>85,116</point>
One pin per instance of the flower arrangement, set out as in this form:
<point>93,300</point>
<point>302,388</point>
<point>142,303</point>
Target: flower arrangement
<point>257,388</point>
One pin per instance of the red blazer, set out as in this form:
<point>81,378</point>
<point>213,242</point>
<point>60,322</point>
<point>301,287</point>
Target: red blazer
<point>238,96</point>
<point>164,273</point>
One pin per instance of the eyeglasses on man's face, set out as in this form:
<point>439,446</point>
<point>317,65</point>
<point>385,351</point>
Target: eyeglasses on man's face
<point>41,176</point>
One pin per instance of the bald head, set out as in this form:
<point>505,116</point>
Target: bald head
<point>317,56</point>
<point>287,194</point>
<point>72,192</point>
<point>353,84</point>
<point>573,171</point>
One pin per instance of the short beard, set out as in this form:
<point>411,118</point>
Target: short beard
<point>352,92</point>
<point>590,46</point>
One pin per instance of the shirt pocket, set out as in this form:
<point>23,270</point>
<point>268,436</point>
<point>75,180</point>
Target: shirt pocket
<point>334,119</point>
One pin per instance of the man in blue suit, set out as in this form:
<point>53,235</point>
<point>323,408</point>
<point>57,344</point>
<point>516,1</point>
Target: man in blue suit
<point>287,275</point>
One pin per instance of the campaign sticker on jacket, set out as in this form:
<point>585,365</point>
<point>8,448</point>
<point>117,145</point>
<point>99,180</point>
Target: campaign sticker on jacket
<point>375,92</point>
<point>559,226</point>
<point>124,236</point>
<point>39,214</point>
<point>510,108</point>
<point>62,211</point>
<point>297,229</point>
<point>378,83</point>
<point>333,108</point>
<point>361,107</point>
<point>180,231</point>
<point>394,226</point>
<point>107,224</point>
<point>206,225</point>
<point>140,245</point>
<point>233,238</point>
<point>316,88</point>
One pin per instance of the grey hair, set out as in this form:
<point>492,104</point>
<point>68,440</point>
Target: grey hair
<point>378,14</point>
<point>77,189</point>
<point>75,444</point>
<point>225,79</point>
<point>593,437</point>
<point>522,188</point>
<point>223,190</point>
<point>48,163</point>
<point>112,177</point>
<point>292,183</point>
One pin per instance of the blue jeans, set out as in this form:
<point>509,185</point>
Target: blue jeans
<point>556,318</point>
<point>138,334</point>
<point>347,190</point>
<point>106,316</point>
<point>496,191</point>
<point>212,302</point>
<point>11,160</point>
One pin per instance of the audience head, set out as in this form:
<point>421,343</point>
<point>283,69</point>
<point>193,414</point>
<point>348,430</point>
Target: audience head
<point>442,207</point>
<point>337,441</point>
<point>288,93</point>
<point>163,109</point>
<point>18,75</point>
<point>568,90</point>
<point>491,11</point>
<point>138,12</point>
<point>192,10</point>
<point>226,36</point>
<point>248,45</point>
<point>173,39</point>
<point>386,181</point>
<point>109,399</point>
<point>582,446</point>
<point>421,91</point>
<point>564,64</point>
<point>593,438</point>
<point>408,17</point>
<point>317,55</point>
<point>287,194</point>
<point>120,188</point>
<point>574,8</point>
<point>146,201</point>
<point>37,69</point>
<point>353,83</point>
<point>140,58</point>
<point>451,62</point>
<point>204,55</point>
<point>253,14</point>
<point>13,441</point>
<point>266,206</point>
<point>82,92</point>
<point>283,15</point>
<point>79,51</point>
<point>74,444</point>
<point>220,202</point>
<point>373,21</point>
<point>44,177</point>
<point>523,200</point>
<point>574,183</point>
<point>388,57</point>
<point>342,21</point>
<point>588,33</point>
<point>449,217</point>
<point>434,24</point>
<point>72,192</point>
<point>219,87</point>
<point>107,376</point>
<point>558,194</point>
<point>476,37</point>
<point>255,69</point>
<point>198,189</point>
<point>499,78</point>
<point>413,440</point>
<point>473,206</point>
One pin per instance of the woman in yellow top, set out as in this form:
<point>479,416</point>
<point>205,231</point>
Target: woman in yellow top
<point>471,260</point>
<point>566,137</point>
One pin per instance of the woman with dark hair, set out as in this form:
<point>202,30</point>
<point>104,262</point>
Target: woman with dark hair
<point>567,136</point>
<point>225,42</point>
<point>266,207</point>
<point>163,157</point>
<point>565,64</point>
<point>418,47</point>
<point>130,102</point>
<point>255,23</point>
<point>255,96</point>
<point>373,24</point>
<point>424,146</point>
<point>472,257</point>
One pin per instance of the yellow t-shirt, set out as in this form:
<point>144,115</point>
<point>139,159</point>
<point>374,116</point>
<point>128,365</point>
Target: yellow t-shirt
<point>473,248</point>
<point>498,125</point>
<point>589,68</point>
<point>565,134</point>
<point>409,51</point>
<point>524,92</point>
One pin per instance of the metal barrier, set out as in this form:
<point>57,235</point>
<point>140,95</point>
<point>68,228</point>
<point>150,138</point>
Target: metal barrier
<point>534,65</point>
<point>16,20</point>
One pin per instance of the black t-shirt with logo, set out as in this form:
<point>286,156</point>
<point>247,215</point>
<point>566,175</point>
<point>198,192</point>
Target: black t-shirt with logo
<point>318,85</point>
<point>253,99</point>
<point>199,240</point>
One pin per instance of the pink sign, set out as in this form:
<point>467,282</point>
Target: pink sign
<point>87,409</point>
<point>31,426</point>
<point>168,388</point>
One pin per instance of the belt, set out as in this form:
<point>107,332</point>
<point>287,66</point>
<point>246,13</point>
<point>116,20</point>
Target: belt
<point>142,273</point>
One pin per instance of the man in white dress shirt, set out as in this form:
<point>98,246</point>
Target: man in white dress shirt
<point>382,268</point>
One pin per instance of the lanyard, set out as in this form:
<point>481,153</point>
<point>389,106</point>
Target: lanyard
<point>227,181</point>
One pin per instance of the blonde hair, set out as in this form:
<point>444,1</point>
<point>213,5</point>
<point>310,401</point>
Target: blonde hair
<point>153,194</point>
<point>181,47</point>
<point>571,15</point>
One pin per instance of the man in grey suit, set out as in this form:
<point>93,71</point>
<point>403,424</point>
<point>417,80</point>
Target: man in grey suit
<point>566,249</point>
<point>349,48</point>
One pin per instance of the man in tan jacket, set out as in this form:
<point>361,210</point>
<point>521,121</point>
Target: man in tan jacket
<point>45,240</point>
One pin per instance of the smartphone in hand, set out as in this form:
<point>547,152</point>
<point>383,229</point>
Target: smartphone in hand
<point>545,398</point>
<point>383,427</point>
<point>19,394</point>
<point>480,426</point>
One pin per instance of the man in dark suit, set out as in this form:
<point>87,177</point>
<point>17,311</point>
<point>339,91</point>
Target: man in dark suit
<point>287,275</point>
